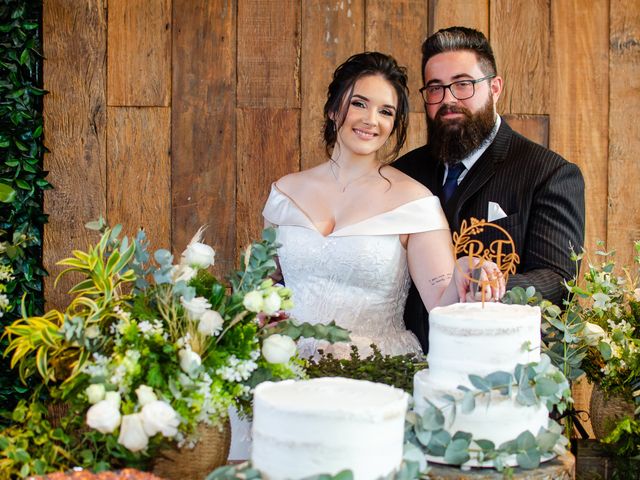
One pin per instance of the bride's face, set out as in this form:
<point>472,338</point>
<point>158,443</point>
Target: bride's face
<point>370,116</point>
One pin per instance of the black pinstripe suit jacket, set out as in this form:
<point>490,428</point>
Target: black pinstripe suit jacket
<point>542,195</point>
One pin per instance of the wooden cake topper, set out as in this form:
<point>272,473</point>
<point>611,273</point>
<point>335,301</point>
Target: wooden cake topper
<point>501,251</point>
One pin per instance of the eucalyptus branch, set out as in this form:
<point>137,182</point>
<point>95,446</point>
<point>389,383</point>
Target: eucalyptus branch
<point>536,383</point>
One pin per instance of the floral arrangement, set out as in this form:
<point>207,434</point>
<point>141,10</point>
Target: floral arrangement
<point>608,301</point>
<point>610,306</point>
<point>147,351</point>
<point>598,334</point>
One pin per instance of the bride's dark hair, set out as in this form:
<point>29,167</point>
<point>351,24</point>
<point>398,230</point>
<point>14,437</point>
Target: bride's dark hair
<point>341,87</point>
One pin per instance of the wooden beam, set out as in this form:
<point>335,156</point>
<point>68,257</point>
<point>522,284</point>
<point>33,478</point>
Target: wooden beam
<point>623,213</point>
<point>269,53</point>
<point>464,13</point>
<point>139,53</point>
<point>139,172</point>
<point>522,58</point>
<point>534,127</point>
<point>331,32</point>
<point>399,28</point>
<point>262,159</point>
<point>578,101</point>
<point>203,153</point>
<point>75,125</point>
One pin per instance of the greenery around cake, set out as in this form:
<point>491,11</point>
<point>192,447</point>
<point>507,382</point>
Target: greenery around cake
<point>394,370</point>
<point>408,470</point>
<point>597,334</point>
<point>530,384</point>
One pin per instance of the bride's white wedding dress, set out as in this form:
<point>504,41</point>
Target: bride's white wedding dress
<point>357,275</point>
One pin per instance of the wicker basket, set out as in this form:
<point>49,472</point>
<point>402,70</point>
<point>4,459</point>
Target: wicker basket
<point>606,410</point>
<point>210,452</point>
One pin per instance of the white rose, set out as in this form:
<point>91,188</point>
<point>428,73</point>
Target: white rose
<point>189,360</point>
<point>132,434</point>
<point>182,273</point>
<point>195,307</point>
<point>198,255</point>
<point>92,332</point>
<point>210,323</point>
<point>271,303</point>
<point>145,395</point>
<point>95,393</point>
<point>159,417</point>
<point>253,301</point>
<point>592,333</point>
<point>104,416</point>
<point>278,348</point>
<point>636,294</point>
<point>113,397</point>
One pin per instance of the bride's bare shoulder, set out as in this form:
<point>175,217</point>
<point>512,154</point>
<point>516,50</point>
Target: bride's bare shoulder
<point>402,184</point>
<point>299,181</point>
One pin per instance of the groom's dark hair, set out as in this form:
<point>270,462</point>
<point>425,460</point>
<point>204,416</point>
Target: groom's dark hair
<point>453,39</point>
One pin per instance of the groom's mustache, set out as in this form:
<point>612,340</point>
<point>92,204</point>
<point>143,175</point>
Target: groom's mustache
<point>444,109</point>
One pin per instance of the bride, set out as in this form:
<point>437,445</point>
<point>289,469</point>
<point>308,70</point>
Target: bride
<point>354,229</point>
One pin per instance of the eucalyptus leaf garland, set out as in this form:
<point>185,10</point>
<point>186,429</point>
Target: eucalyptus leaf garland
<point>22,180</point>
<point>529,385</point>
<point>409,470</point>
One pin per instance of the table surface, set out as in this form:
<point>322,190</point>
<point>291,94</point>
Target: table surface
<point>560,468</point>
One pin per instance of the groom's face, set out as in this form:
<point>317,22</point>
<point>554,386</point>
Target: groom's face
<point>448,67</point>
<point>456,127</point>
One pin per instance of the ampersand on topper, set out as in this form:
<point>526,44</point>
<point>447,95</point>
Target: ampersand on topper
<point>501,251</point>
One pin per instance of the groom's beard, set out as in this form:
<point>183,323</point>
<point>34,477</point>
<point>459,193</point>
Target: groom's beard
<point>452,141</point>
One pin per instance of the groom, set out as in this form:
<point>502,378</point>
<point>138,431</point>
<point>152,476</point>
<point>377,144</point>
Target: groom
<point>480,167</point>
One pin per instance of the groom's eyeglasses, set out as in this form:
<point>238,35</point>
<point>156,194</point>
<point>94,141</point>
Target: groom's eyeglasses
<point>462,89</point>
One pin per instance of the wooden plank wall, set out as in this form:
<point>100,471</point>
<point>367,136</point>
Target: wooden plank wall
<point>170,114</point>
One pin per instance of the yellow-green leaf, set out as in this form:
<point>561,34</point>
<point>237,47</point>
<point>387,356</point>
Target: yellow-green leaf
<point>126,258</point>
<point>83,286</point>
<point>42,362</point>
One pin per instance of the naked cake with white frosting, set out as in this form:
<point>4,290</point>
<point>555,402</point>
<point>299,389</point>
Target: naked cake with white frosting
<point>326,425</point>
<point>467,338</point>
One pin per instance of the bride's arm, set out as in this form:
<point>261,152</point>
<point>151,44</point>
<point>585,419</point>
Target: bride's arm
<point>431,266</point>
<point>433,270</point>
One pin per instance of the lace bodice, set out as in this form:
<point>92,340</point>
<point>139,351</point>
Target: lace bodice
<point>357,275</point>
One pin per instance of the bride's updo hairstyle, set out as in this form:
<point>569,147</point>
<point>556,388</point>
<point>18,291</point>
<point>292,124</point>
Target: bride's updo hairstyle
<point>341,89</point>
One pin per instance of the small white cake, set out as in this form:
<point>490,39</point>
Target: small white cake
<point>325,425</point>
<point>465,339</point>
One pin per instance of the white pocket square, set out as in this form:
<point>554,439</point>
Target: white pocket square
<point>495,212</point>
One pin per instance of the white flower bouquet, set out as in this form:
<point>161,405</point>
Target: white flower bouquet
<point>147,351</point>
<point>598,333</point>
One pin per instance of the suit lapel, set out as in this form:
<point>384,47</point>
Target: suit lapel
<point>432,182</point>
<point>479,174</point>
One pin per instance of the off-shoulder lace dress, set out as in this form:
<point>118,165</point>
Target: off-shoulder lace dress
<point>357,275</point>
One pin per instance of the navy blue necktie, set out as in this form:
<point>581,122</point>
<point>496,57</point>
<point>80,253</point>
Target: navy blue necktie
<point>450,184</point>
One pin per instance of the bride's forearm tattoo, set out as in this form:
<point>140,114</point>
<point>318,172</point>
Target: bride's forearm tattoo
<point>444,278</point>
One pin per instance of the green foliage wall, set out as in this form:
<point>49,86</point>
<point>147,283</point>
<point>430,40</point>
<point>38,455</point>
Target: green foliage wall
<point>22,180</point>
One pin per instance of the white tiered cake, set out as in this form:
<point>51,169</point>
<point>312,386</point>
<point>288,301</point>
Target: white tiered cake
<point>326,425</point>
<point>466,339</point>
